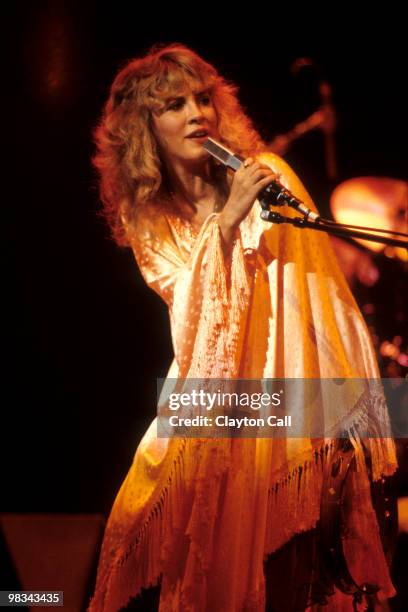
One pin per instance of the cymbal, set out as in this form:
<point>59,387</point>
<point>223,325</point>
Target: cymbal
<point>372,201</point>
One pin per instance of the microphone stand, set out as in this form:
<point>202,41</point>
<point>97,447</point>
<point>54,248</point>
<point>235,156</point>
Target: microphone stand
<point>325,225</point>
<point>275,194</point>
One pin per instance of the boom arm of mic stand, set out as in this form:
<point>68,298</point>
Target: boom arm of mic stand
<point>302,222</point>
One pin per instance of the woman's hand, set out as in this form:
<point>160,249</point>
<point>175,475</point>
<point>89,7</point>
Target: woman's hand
<point>251,178</point>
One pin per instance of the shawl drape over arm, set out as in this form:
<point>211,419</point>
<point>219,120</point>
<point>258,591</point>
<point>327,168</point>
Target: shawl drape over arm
<point>205,513</point>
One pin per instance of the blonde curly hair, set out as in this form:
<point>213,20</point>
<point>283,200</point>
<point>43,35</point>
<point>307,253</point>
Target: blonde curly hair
<point>127,157</point>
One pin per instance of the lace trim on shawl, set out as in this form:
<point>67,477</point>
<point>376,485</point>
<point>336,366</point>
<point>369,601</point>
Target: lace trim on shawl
<point>295,495</point>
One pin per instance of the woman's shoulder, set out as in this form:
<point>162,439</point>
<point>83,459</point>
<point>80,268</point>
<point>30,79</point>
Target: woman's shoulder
<point>143,217</point>
<point>274,161</point>
<point>287,176</point>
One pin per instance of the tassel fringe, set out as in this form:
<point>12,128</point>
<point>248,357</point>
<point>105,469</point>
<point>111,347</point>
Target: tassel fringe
<point>296,496</point>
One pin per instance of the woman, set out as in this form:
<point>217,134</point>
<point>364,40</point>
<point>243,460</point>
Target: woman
<point>246,300</point>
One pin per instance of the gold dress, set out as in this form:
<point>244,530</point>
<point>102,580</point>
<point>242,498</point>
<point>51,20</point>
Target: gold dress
<point>205,513</point>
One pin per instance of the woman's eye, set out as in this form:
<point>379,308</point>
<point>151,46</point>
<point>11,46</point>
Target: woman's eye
<point>205,99</point>
<point>176,105</point>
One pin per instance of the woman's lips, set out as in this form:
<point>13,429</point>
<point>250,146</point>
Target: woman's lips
<point>198,138</point>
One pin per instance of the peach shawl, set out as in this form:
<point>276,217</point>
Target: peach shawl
<point>205,513</point>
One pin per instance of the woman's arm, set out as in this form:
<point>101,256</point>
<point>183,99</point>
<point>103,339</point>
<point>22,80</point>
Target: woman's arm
<point>251,178</point>
<point>206,293</point>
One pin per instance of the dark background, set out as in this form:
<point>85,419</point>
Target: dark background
<point>83,338</point>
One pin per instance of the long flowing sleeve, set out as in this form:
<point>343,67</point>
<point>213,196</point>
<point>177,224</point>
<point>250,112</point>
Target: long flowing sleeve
<point>207,293</point>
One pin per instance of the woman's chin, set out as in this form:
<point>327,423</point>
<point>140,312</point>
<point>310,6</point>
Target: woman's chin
<point>196,158</point>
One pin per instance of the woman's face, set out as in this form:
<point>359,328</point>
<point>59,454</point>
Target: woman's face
<point>184,124</point>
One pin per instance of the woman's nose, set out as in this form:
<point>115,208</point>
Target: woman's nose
<point>195,113</point>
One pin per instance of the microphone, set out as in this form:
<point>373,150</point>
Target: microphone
<point>275,194</point>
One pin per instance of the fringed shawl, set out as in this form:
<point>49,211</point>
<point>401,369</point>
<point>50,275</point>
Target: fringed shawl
<point>205,513</point>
